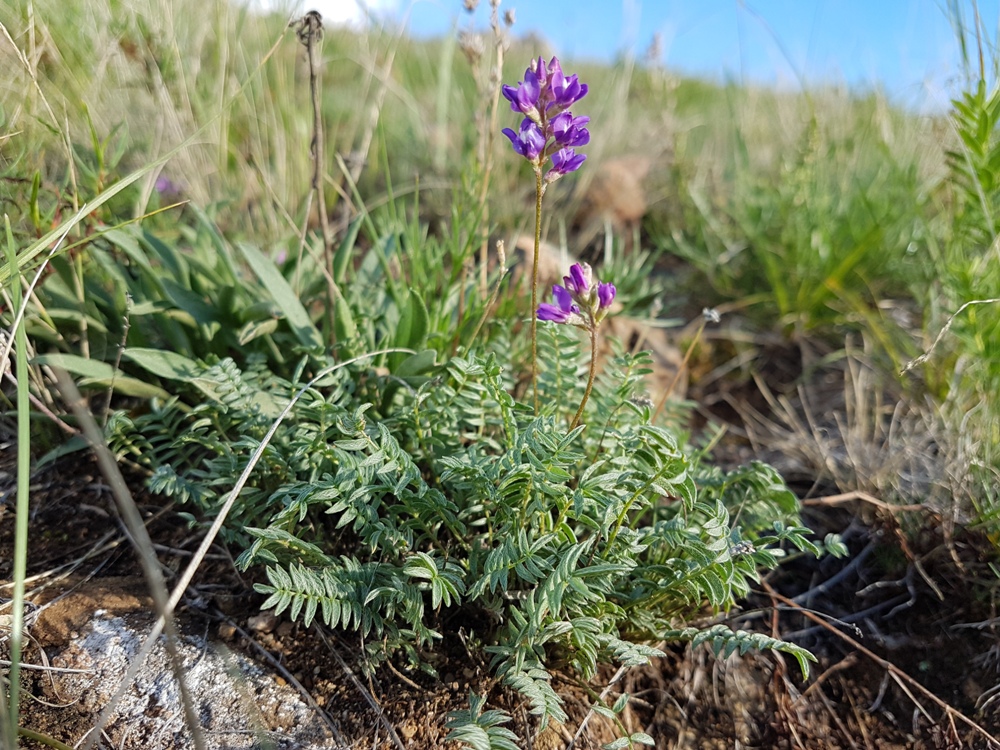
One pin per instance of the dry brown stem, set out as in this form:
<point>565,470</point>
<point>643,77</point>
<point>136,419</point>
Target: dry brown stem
<point>310,32</point>
<point>894,672</point>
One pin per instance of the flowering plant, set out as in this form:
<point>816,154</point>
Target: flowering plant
<point>581,301</point>
<point>549,131</point>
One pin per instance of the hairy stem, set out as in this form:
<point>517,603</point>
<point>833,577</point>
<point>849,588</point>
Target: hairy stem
<point>539,189</point>
<point>590,380</point>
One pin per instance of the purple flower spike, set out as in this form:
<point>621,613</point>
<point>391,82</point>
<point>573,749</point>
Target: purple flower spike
<point>529,142</point>
<point>606,294</point>
<point>584,301</point>
<point>544,98</point>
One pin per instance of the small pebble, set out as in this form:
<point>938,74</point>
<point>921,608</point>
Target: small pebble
<point>265,622</point>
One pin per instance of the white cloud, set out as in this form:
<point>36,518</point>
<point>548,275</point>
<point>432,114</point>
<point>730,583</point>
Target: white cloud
<point>352,12</point>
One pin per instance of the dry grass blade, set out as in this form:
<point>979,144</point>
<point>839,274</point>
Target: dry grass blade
<point>209,539</point>
<point>365,693</point>
<point>43,739</point>
<point>846,497</point>
<point>895,672</point>
<point>941,334</point>
<point>141,540</point>
<point>861,436</point>
<point>590,714</point>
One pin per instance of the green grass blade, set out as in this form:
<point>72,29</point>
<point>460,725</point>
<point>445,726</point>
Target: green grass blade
<point>56,236</point>
<point>23,482</point>
<point>285,297</point>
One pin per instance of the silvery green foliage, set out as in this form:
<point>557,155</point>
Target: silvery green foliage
<point>386,516</point>
<point>480,729</point>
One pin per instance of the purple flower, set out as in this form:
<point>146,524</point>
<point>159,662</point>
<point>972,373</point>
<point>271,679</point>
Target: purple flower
<point>582,302</point>
<point>564,161</point>
<point>544,98</point>
<point>167,187</point>
<point>606,294</point>
<point>564,298</point>
<point>579,280</point>
<point>551,312</point>
<point>529,142</point>
<point>564,91</point>
<point>570,131</point>
<point>564,311</point>
<point>524,98</point>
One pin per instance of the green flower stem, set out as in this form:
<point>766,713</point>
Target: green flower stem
<point>590,380</point>
<point>539,191</point>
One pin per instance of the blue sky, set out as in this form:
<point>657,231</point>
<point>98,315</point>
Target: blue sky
<point>907,47</point>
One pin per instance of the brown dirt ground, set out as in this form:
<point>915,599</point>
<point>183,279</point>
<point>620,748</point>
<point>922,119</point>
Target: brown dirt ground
<point>688,700</point>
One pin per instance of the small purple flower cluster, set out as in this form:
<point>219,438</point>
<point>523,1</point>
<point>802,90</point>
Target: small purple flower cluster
<point>584,301</point>
<point>549,129</point>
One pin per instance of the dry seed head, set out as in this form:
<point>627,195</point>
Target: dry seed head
<point>472,46</point>
<point>501,256</point>
<point>508,17</point>
<point>470,5</point>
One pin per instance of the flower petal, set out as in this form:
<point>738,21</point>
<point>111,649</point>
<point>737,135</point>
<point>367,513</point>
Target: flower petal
<point>547,311</point>
<point>606,294</point>
<point>563,298</point>
<point>566,160</point>
<point>529,141</point>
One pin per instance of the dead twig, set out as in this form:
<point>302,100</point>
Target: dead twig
<point>365,692</point>
<point>947,327</point>
<point>310,33</point>
<point>143,546</point>
<point>895,672</point>
<point>590,714</point>
<point>847,662</point>
<point>864,497</point>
